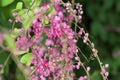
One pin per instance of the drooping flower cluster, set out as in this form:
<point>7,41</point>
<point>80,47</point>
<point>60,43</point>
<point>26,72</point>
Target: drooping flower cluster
<point>52,41</point>
<point>104,72</point>
<point>53,44</point>
<point>53,57</point>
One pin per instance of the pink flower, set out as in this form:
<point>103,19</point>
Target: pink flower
<point>55,1</point>
<point>85,38</point>
<point>15,14</point>
<point>18,19</point>
<point>80,32</point>
<point>88,69</point>
<point>69,67</point>
<point>23,43</point>
<point>0,78</point>
<point>106,65</point>
<point>83,78</point>
<point>49,42</point>
<point>78,65</point>
<point>10,20</point>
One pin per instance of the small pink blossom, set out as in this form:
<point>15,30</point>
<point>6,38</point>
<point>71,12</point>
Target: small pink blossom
<point>80,32</point>
<point>18,19</point>
<point>49,42</point>
<point>106,65</point>
<point>0,78</point>
<point>10,20</point>
<point>83,78</point>
<point>88,69</point>
<point>15,14</point>
<point>85,38</point>
<point>78,65</point>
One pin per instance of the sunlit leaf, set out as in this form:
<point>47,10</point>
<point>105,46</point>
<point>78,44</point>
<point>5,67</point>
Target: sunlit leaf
<point>4,3</point>
<point>10,42</point>
<point>50,11</point>
<point>23,52</point>
<point>26,59</point>
<point>19,5</point>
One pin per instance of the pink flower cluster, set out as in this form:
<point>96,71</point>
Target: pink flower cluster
<point>53,56</point>
<point>53,42</point>
<point>104,72</point>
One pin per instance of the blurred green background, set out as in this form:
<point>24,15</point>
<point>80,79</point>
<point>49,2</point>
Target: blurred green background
<point>101,19</point>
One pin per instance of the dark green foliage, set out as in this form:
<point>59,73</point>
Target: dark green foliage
<point>104,25</point>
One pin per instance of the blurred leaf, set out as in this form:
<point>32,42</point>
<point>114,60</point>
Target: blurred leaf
<point>19,75</point>
<point>27,23</point>
<point>6,69</point>
<point>10,42</point>
<point>108,4</point>
<point>45,21</point>
<point>50,11</point>
<point>97,29</point>
<point>112,18</point>
<point>44,39</point>
<point>3,57</point>
<point>93,11</point>
<point>2,19</point>
<point>95,76</point>
<point>118,6</point>
<point>5,3</point>
<point>23,52</point>
<point>103,34</point>
<point>19,5</point>
<point>44,1</point>
<point>112,38</point>
<point>114,64</point>
<point>37,3</point>
<point>15,33</point>
<point>16,30</point>
<point>27,2</point>
<point>26,59</point>
<point>23,13</point>
<point>102,15</point>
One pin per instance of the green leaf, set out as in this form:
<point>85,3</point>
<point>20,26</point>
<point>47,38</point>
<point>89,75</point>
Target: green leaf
<point>16,30</point>
<point>19,5</point>
<point>44,39</point>
<point>95,75</point>
<point>98,30</point>
<point>7,69</point>
<point>27,23</point>
<point>44,21</point>
<point>42,1</point>
<point>3,57</point>
<point>27,2</point>
<point>93,11</point>
<point>102,15</point>
<point>50,11</point>
<point>10,42</point>
<point>15,33</point>
<point>37,3</point>
<point>118,6</point>
<point>4,3</point>
<point>23,13</point>
<point>108,4</point>
<point>26,59</point>
<point>112,38</point>
<point>23,52</point>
